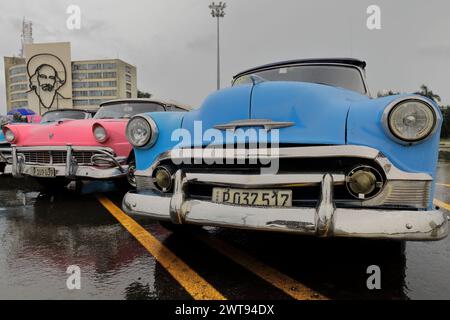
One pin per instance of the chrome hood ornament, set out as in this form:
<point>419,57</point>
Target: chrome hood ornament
<point>266,123</point>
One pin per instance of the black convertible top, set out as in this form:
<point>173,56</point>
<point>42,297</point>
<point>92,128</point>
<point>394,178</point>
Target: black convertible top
<point>350,61</point>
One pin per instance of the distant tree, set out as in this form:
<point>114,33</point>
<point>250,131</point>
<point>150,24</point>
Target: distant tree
<point>386,93</point>
<point>142,94</point>
<point>426,92</point>
<point>445,132</point>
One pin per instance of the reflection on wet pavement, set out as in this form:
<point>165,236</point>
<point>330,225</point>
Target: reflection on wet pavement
<point>42,234</point>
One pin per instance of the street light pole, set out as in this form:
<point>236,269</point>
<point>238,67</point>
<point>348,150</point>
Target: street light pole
<point>218,11</point>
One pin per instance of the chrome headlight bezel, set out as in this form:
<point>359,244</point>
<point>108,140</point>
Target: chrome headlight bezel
<point>150,140</point>
<point>7,132</point>
<point>95,128</point>
<point>387,125</point>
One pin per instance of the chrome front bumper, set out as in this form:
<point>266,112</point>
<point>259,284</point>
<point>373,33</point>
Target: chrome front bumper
<point>325,220</point>
<point>108,167</point>
<point>5,157</point>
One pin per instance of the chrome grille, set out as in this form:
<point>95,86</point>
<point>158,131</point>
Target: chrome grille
<point>143,183</point>
<point>56,157</point>
<point>408,193</point>
<point>37,157</point>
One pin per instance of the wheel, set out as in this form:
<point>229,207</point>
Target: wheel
<point>179,228</point>
<point>131,179</point>
<point>54,185</point>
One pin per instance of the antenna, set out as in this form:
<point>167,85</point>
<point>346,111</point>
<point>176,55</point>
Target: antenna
<point>27,35</point>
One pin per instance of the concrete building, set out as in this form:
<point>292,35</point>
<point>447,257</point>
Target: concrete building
<point>46,78</point>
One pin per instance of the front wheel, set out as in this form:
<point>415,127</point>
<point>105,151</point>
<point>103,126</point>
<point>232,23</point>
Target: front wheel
<point>131,179</point>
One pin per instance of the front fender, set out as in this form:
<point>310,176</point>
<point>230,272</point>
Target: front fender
<point>167,123</point>
<point>364,127</point>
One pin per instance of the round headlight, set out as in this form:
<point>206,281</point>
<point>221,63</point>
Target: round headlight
<point>100,133</point>
<point>9,135</point>
<point>411,120</point>
<point>142,131</point>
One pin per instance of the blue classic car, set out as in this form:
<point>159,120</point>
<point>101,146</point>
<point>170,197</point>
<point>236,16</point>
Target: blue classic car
<point>299,147</point>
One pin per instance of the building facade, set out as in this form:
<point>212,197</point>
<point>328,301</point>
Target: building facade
<point>47,79</point>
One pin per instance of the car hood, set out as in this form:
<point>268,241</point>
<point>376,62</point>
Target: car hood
<point>316,113</point>
<point>75,132</point>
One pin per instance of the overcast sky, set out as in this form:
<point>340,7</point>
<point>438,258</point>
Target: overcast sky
<point>172,42</point>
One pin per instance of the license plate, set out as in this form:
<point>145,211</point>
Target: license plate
<point>43,172</point>
<point>253,197</point>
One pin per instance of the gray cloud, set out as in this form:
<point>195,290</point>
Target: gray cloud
<point>172,42</point>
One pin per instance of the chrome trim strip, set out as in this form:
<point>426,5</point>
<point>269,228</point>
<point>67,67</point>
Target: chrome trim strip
<point>70,169</point>
<point>64,148</point>
<point>261,181</point>
<point>266,123</point>
<point>185,155</point>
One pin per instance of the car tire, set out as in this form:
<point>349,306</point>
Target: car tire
<point>180,228</point>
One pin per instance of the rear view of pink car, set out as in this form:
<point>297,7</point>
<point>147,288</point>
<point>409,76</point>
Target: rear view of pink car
<point>65,150</point>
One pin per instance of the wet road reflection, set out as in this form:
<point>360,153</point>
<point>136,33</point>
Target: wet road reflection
<point>42,234</point>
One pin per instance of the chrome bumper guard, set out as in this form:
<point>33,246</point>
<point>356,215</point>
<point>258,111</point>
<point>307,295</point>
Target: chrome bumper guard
<point>104,165</point>
<point>5,158</point>
<point>325,220</point>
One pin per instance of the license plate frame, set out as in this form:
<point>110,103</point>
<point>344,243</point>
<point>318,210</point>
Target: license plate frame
<point>43,172</point>
<point>253,197</point>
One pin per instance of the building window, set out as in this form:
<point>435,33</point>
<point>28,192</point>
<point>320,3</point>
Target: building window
<point>128,94</point>
<point>79,67</point>
<point>127,77</point>
<point>19,87</point>
<point>129,86</point>
<point>19,79</point>
<point>94,84</point>
<point>94,75</point>
<point>96,102</point>
<point>94,66</point>
<point>127,69</point>
<point>19,96</point>
<point>17,70</point>
<point>19,104</point>
<point>80,102</point>
<point>80,93</point>
<point>109,75</point>
<point>79,76</point>
<point>107,66</point>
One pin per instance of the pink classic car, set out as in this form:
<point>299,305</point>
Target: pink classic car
<point>66,150</point>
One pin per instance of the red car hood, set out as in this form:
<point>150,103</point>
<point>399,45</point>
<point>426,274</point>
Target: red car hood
<point>75,132</point>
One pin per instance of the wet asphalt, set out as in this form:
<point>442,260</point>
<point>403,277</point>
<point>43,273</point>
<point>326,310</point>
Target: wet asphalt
<point>42,234</point>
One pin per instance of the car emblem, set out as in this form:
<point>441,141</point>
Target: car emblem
<point>51,135</point>
<point>266,123</point>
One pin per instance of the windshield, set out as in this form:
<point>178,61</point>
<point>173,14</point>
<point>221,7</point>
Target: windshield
<point>126,110</point>
<point>64,114</point>
<point>337,76</point>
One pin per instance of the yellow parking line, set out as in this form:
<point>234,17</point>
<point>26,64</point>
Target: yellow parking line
<point>443,184</point>
<point>194,284</point>
<point>442,204</point>
<point>279,280</point>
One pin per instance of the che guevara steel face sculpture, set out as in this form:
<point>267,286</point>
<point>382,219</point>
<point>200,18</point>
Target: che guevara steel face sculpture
<point>46,79</point>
